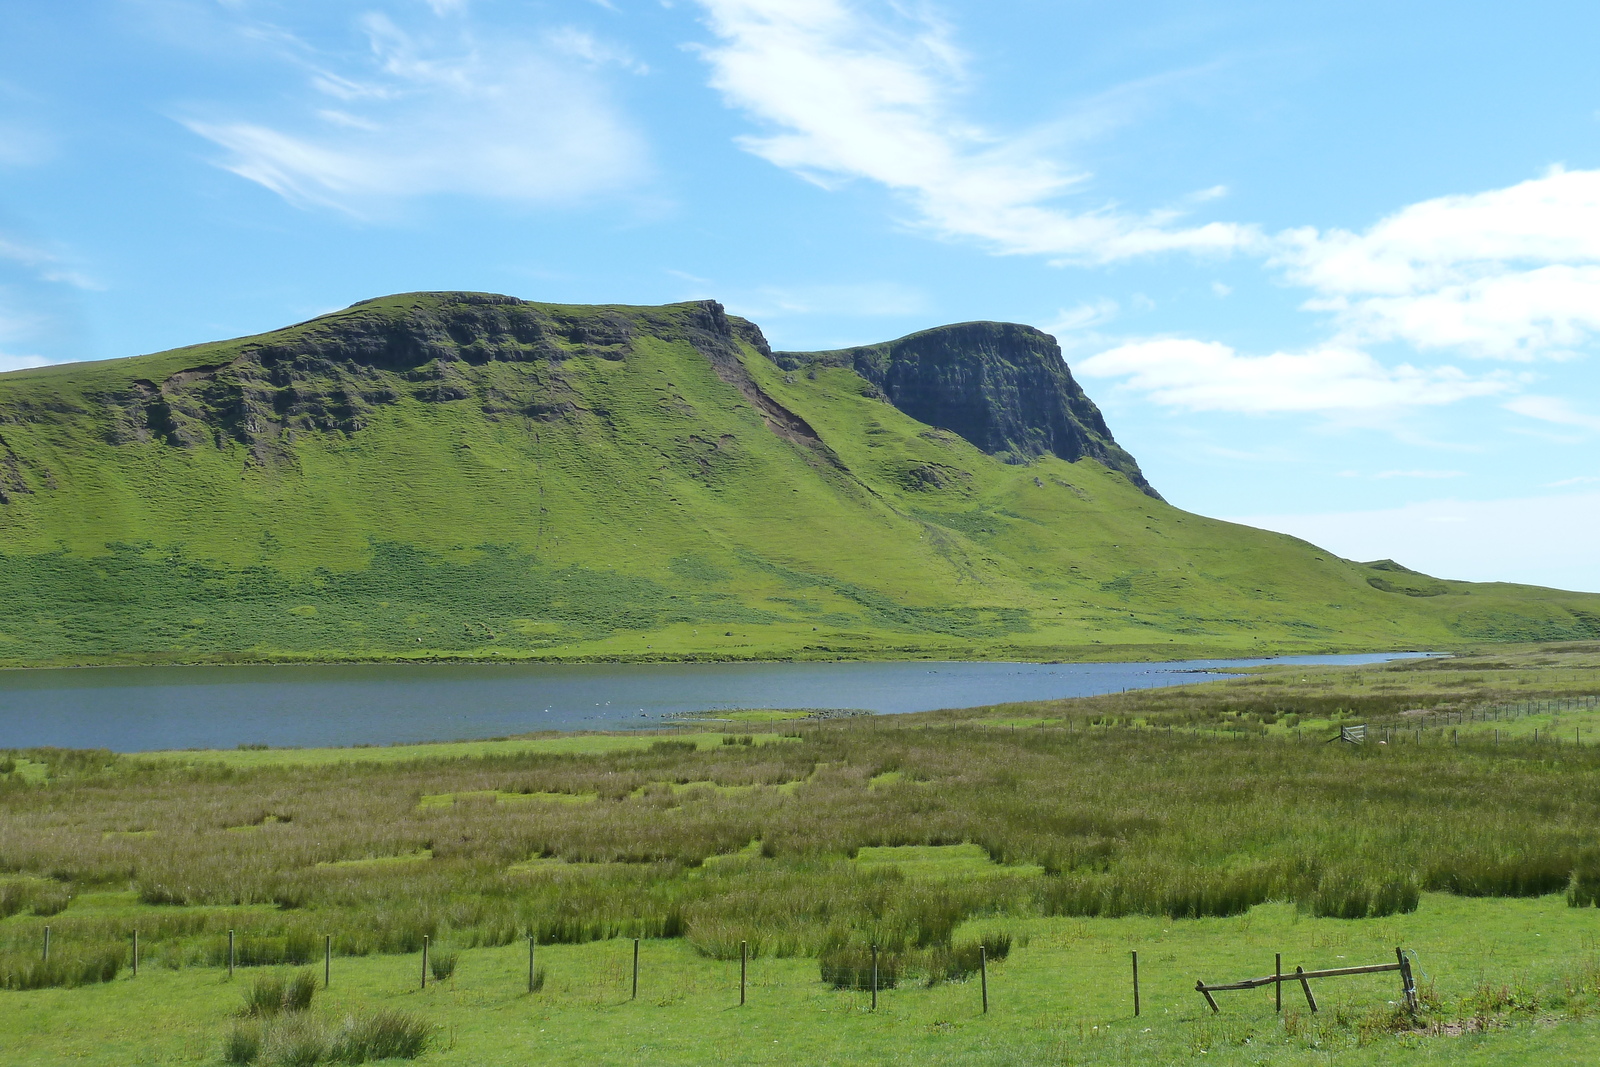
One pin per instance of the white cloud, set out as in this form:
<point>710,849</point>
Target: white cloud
<point>513,120</point>
<point>1552,409</point>
<point>1546,540</point>
<point>1511,273</point>
<point>1209,376</point>
<point>848,95</point>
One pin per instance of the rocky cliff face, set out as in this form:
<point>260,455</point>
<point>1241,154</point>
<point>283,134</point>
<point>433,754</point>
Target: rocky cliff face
<point>329,374</point>
<point>1002,386</point>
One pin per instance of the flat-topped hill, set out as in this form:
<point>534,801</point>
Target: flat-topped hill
<point>463,474</point>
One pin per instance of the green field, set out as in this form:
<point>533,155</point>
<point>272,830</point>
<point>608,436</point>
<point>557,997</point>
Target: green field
<point>1516,979</point>
<point>414,478</point>
<point>1206,827</point>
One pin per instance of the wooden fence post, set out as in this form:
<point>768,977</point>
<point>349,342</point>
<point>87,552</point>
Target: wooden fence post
<point>136,953</point>
<point>1407,984</point>
<point>1277,984</point>
<point>983,971</point>
<point>1305,985</point>
<point>635,995</point>
<point>46,944</point>
<point>327,960</point>
<point>874,977</point>
<point>530,963</point>
<point>1135,984</point>
<point>744,956</point>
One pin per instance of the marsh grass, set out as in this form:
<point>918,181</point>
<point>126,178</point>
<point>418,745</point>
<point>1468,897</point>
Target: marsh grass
<point>1107,807</point>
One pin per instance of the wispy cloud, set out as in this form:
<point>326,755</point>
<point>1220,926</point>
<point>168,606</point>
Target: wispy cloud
<point>1085,316</point>
<point>436,109</point>
<point>1209,376</point>
<point>43,264</point>
<point>1553,409</point>
<point>849,91</point>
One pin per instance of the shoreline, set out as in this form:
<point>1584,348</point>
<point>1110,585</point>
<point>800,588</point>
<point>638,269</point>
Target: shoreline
<point>1013,654</point>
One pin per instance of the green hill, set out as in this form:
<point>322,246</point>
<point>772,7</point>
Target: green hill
<point>453,474</point>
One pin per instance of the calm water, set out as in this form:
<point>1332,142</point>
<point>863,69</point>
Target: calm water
<point>141,708</point>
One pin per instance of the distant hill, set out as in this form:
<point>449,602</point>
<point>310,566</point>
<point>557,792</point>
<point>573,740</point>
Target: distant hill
<point>462,474</point>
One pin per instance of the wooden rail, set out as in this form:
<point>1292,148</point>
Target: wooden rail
<point>1303,976</point>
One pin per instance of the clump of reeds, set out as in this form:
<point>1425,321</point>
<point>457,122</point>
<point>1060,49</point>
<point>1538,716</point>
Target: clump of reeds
<point>41,896</point>
<point>68,966</point>
<point>853,966</point>
<point>272,994</point>
<point>960,961</point>
<point>301,1039</point>
<point>442,962</point>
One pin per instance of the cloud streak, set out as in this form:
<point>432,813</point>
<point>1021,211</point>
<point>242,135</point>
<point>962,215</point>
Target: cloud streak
<point>1552,409</point>
<point>441,113</point>
<point>848,94</point>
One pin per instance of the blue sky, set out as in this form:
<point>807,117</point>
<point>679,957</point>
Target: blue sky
<point>1332,268</point>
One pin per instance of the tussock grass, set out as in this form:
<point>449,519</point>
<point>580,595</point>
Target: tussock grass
<point>272,994</point>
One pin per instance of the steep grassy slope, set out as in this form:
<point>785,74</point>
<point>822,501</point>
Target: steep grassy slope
<point>460,474</point>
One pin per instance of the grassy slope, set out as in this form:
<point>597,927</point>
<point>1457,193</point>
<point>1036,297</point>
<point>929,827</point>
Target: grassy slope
<point>661,519</point>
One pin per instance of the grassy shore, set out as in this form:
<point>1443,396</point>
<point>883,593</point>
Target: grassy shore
<point>1206,827</point>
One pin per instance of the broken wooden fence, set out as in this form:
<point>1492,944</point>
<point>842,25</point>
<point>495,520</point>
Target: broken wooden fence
<point>1407,985</point>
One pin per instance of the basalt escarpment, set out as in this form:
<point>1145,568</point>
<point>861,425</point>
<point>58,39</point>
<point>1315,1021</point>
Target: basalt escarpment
<point>331,373</point>
<point>1002,386</point>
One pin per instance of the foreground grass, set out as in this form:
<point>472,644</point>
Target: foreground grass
<point>1063,998</point>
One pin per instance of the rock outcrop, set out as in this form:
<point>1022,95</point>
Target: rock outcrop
<point>1002,386</point>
